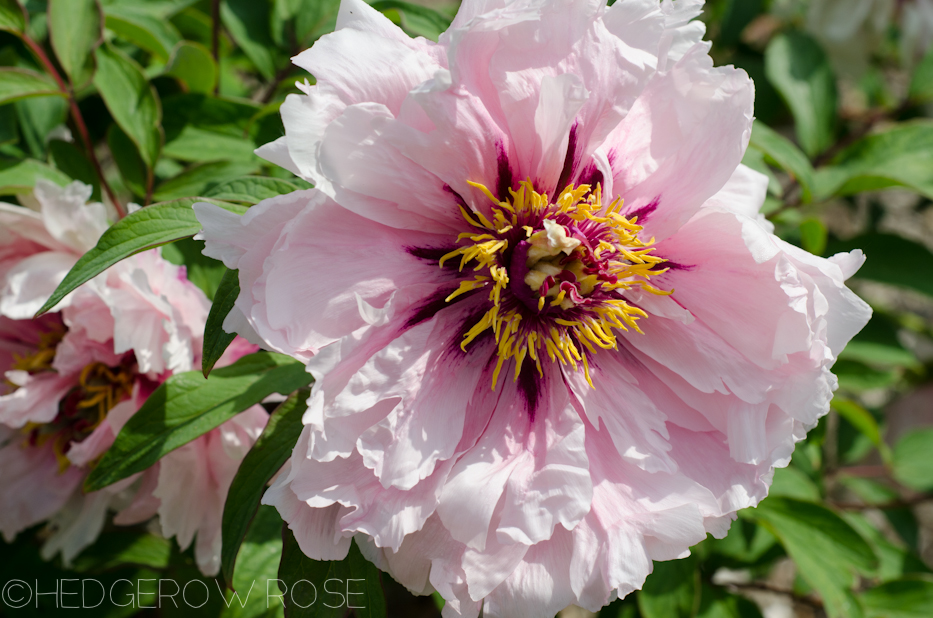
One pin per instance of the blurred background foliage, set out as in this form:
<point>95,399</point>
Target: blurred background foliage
<point>155,100</point>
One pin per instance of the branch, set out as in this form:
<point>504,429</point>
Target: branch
<point>78,119</point>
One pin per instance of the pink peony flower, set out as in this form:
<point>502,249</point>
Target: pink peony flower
<point>552,338</point>
<point>74,377</point>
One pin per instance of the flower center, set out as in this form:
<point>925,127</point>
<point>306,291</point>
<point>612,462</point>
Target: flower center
<point>556,272</point>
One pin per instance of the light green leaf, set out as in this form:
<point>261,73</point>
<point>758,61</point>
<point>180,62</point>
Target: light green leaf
<point>18,84</point>
<point>913,460</point>
<point>671,591</point>
<point>132,102</point>
<point>905,598</point>
<point>798,68</point>
<point>12,16</point>
<point>144,229</point>
<point>813,235</point>
<point>192,63</point>
<point>888,255</point>
<point>200,179</point>
<point>863,421</point>
<point>196,144</point>
<point>187,406</point>
<point>921,86</point>
<point>792,482</point>
<point>264,460</point>
<point>119,548</point>
<point>898,157</point>
<point>783,152</point>
<point>141,28</point>
<point>416,19</point>
<point>827,551</point>
<point>160,9</point>
<point>216,339</point>
<point>248,23</point>
<point>315,18</point>
<point>251,189</point>
<point>21,176</point>
<point>76,29</point>
<point>257,564</point>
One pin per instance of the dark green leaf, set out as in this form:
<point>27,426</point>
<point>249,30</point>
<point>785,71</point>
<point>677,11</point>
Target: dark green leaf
<point>126,156</point>
<point>894,561</point>
<point>187,406</point>
<point>144,229</point>
<point>204,272</point>
<point>160,9</point>
<point>18,84</point>
<point>861,419</point>
<point>132,102</point>
<point>71,160</point>
<point>315,18</point>
<point>416,19</point>
<point>200,179</point>
<point>192,63</point>
<point>268,455</point>
<point>887,255</point>
<point>827,551</point>
<point>315,597</point>
<point>252,189</point>
<point>898,157</point>
<point>76,29</point>
<point>798,68</point>
<point>21,176</point>
<point>921,86</point>
<point>12,16</point>
<point>248,23</point>
<point>913,460</point>
<point>783,152</point>
<point>717,603</point>
<point>143,29</point>
<point>906,598</point>
<point>739,13</point>
<point>216,339</point>
<point>671,591</point>
<point>123,547</point>
<point>9,129</point>
<point>38,116</point>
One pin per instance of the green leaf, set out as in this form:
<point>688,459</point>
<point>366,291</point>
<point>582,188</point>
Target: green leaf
<point>123,547</point>
<point>156,36</point>
<point>792,482</point>
<point>901,156</point>
<point>416,19</point>
<point>671,591</point>
<point>18,84</point>
<point>216,339</point>
<point>887,256</point>
<point>160,9</point>
<point>813,235</point>
<point>248,24</point>
<point>921,86</point>
<point>132,102</point>
<point>738,14</point>
<point>827,551</point>
<point>200,179</point>
<point>798,68</point>
<point>187,406</point>
<point>252,189</point>
<point>204,272</point>
<point>315,18</point>
<point>264,460</point>
<point>783,152</point>
<point>144,229</point>
<point>192,63</point>
<point>257,564</point>
<point>323,599</point>
<point>913,463</point>
<point>863,421</point>
<point>717,603</point>
<point>76,29</point>
<point>126,156</point>
<point>71,160</point>
<point>905,598</point>
<point>21,176</point>
<point>894,561</point>
<point>12,16</point>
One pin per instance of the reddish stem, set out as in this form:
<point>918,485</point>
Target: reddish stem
<point>78,120</point>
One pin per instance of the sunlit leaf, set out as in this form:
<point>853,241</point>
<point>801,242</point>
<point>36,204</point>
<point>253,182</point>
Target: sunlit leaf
<point>192,63</point>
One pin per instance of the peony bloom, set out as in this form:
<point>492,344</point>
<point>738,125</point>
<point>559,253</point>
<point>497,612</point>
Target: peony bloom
<point>73,378</point>
<point>551,337</point>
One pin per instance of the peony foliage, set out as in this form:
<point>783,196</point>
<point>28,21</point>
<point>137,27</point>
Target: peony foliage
<point>234,205</point>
